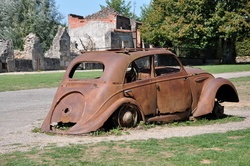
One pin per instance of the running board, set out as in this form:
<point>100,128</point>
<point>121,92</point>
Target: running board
<point>170,117</point>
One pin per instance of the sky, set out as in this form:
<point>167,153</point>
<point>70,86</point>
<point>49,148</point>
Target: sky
<point>86,7</point>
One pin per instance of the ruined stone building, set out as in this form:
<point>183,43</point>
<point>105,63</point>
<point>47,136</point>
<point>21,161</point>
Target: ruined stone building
<point>60,51</point>
<point>33,58</point>
<point>103,30</point>
<point>6,52</point>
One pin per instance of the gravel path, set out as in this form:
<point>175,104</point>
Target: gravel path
<point>22,111</point>
<point>233,75</point>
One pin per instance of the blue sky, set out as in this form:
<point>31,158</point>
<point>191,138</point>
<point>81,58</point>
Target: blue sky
<point>85,7</point>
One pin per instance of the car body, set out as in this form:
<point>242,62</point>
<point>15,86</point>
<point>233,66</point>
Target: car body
<point>149,85</point>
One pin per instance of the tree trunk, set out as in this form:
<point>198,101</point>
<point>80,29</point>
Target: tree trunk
<point>228,51</point>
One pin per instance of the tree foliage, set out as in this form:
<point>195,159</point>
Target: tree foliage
<point>145,10</point>
<point>120,6</point>
<point>18,18</point>
<point>197,24</point>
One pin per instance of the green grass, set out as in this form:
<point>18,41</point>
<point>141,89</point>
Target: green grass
<point>240,80</point>
<point>49,80</point>
<point>207,120</point>
<point>231,148</point>
<point>29,81</point>
<point>34,81</point>
<point>225,68</point>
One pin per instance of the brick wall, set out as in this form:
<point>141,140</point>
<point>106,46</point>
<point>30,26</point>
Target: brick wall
<point>76,21</point>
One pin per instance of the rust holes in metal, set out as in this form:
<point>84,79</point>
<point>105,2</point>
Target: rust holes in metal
<point>66,110</point>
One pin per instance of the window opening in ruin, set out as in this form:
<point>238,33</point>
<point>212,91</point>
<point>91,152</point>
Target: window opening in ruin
<point>4,66</point>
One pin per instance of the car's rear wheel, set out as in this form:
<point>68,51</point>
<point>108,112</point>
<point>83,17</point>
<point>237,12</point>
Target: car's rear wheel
<point>218,110</point>
<point>127,116</point>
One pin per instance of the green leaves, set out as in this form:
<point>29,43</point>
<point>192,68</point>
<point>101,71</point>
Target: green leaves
<point>18,18</point>
<point>120,6</point>
<point>195,23</point>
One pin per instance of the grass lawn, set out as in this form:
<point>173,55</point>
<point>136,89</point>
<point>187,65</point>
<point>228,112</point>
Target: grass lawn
<point>50,80</point>
<point>33,81</point>
<point>29,81</point>
<point>225,68</point>
<point>231,148</point>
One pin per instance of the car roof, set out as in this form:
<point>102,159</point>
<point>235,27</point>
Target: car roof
<point>115,61</point>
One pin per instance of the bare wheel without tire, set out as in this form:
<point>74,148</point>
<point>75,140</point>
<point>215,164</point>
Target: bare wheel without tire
<point>127,116</point>
<point>218,110</point>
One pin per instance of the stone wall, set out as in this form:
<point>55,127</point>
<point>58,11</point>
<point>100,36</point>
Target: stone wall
<point>60,49</point>
<point>6,52</point>
<point>91,36</point>
<point>243,59</point>
<point>17,65</point>
<point>96,31</point>
<point>32,51</point>
<point>32,57</point>
<point>51,64</point>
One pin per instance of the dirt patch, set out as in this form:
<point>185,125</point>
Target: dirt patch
<point>206,161</point>
<point>235,137</point>
<point>214,149</point>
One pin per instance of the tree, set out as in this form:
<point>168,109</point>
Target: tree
<point>21,17</point>
<point>231,20</point>
<point>120,6</point>
<point>197,23</point>
<point>145,10</point>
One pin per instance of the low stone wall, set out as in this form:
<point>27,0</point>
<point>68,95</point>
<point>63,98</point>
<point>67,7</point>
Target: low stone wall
<point>51,64</point>
<point>243,59</point>
<point>19,65</point>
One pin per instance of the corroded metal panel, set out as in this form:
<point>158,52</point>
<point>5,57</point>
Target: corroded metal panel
<point>132,86</point>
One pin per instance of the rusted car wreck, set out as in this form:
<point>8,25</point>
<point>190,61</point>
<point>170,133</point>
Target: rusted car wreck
<point>132,86</point>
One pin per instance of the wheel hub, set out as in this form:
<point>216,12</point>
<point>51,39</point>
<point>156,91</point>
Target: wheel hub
<point>127,117</point>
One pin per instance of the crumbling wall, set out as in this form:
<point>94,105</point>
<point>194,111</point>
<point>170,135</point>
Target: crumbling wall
<point>92,35</point>
<point>106,29</point>
<point>89,33</point>
<point>33,51</point>
<point>6,52</point>
<point>60,49</point>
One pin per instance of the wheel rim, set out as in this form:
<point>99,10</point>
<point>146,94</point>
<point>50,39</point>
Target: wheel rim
<point>127,116</point>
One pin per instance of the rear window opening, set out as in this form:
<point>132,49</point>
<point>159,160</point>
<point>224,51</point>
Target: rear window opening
<point>87,70</point>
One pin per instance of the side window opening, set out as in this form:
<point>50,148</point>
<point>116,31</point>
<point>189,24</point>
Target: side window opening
<point>138,70</point>
<point>87,70</point>
<point>166,64</point>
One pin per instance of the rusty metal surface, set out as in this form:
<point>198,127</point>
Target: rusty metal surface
<point>134,86</point>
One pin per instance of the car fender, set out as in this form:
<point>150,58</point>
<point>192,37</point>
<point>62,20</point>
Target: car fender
<point>101,117</point>
<point>220,89</point>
